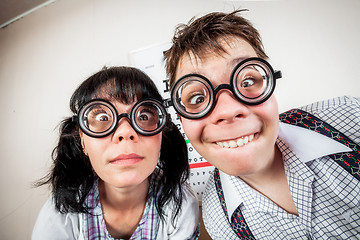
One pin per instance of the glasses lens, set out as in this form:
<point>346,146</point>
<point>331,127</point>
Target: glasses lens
<point>149,117</point>
<point>253,82</point>
<point>192,96</point>
<point>98,118</point>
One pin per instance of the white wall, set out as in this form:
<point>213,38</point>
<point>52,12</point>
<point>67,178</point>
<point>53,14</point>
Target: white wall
<point>45,56</point>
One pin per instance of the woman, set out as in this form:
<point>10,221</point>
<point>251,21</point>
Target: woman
<point>120,166</point>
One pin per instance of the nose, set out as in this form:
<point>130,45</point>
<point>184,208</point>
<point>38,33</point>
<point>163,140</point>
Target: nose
<point>125,131</point>
<point>227,108</point>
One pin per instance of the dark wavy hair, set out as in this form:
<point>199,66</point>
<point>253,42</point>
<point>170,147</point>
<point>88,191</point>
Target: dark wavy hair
<point>72,177</point>
<point>203,35</point>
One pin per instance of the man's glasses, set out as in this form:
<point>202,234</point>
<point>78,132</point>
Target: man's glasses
<point>98,118</point>
<point>252,82</point>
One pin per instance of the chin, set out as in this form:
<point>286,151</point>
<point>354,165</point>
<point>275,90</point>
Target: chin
<point>129,180</point>
<point>234,167</point>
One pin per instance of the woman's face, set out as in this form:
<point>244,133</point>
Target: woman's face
<point>124,158</point>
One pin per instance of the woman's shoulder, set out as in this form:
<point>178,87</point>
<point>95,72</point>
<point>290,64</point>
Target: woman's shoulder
<point>51,223</point>
<point>189,193</point>
<point>186,222</point>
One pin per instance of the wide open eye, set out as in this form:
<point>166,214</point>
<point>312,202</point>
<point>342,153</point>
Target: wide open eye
<point>147,118</point>
<point>247,83</point>
<point>197,99</point>
<point>194,96</point>
<point>251,81</point>
<point>102,117</point>
<point>99,118</point>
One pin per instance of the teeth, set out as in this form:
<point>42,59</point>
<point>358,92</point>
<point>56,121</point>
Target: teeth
<point>238,143</point>
<point>251,137</point>
<point>232,144</point>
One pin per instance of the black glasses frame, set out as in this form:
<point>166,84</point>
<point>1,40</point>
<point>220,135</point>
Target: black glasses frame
<point>81,120</point>
<point>273,75</point>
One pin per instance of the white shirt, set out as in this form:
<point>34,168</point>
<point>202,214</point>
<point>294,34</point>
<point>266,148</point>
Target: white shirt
<point>326,196</point>
<point>51,224</point>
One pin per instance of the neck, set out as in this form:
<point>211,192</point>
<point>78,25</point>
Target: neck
<point>123,198</point>
<point>271,173</point>
<point>123,207</point>
<point>272,183</point>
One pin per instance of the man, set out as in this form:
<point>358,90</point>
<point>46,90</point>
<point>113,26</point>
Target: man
<point>272,181</point>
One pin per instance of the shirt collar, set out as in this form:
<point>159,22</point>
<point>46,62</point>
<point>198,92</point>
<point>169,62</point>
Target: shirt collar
<point>229,189</point>
<point>307,145</point>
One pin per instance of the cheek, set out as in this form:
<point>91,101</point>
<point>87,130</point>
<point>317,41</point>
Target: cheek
<point>157,142</point>
<point>269,114</point>
<point>192,129</point>
<point>151,146</point>
<point>93,147</point>
<point>272,110</point>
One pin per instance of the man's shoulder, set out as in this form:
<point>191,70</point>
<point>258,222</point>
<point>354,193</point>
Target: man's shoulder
<point>334,105</point>
<point>342,113</point>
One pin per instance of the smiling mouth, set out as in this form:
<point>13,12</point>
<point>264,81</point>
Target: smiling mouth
<point>237,142</point>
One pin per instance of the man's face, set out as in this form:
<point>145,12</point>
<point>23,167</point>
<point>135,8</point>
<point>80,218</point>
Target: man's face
<point>238,139</point>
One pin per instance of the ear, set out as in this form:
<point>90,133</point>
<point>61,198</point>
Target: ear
<point>81,134</point>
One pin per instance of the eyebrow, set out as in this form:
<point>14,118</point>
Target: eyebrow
<point>235,61</point>
<point>232,64</point>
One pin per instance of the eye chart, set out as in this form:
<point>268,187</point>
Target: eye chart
<point>150,60</point>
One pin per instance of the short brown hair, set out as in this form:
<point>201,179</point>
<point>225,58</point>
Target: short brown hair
<point>202,35</point>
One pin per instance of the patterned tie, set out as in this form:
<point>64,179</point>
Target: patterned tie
<point>237,223</point>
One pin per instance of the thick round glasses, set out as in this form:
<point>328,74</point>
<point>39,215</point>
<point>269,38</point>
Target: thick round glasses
<point>98,118</point>
<point>252,82</point>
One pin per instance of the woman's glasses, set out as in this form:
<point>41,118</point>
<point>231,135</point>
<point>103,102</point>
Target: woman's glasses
<point>98,118</point>
<point>252,82</point>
